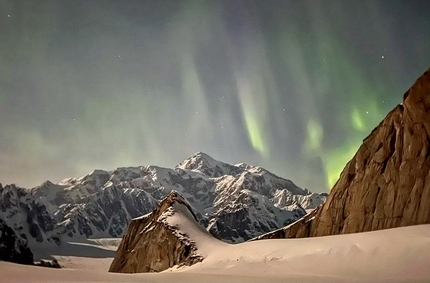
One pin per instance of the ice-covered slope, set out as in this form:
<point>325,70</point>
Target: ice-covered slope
<point>236,202</point>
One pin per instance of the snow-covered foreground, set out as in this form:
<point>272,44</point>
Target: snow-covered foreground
<point>394,255</point>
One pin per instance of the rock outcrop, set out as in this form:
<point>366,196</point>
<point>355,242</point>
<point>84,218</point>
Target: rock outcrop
<point>13,247</point>
<point>298,229</point>
<point>387,182</point>
<point>152,244</point>
<point>48,263</point>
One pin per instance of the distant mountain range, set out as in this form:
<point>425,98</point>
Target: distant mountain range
<point>234,202</point>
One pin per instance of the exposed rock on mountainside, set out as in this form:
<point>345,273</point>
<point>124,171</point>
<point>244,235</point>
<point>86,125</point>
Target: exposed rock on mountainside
<point>152,244</point>
<point>13,247</point>
<point>387,182</point>
<point>48,263</point>
<point>298,229</point>
<point>28,217</point>
<point>236,202</point>
<point>50,212</point>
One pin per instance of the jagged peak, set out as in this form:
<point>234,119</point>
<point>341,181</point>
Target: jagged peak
<point>260,170</point>
<point>202,154</point>
<point>416,101</point>
<point>199,158</point>
<point>173,197</point>
<point>129,169</point>
<point>68,181</point>
<point>46,186</point>
<point>251,168</point>
<point>143,250</point>
<point>207,165</point>
<point>243,165</point>
<point>420,90</point>
<point>96,172</point>
<point>14,187</point>
<point>47,183</point>
<point>169,201</point>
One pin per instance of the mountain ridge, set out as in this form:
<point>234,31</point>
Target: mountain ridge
<point>102,203</point>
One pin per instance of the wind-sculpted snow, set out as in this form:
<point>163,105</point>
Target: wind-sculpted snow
<point>234,202</point>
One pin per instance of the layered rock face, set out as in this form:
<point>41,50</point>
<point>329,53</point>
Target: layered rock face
<point>151,244</point>
<point>387,182</point>
<point>13,247</point>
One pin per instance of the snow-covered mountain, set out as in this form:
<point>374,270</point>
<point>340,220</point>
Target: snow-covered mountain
<point>234,202</point>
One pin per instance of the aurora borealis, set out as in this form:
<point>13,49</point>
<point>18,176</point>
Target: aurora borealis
<point>293,86</point>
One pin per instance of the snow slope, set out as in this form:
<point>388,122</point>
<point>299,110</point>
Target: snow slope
<point>397,253</point>
<point>392,255</point>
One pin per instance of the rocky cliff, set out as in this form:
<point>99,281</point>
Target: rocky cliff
<point>387,182</point>
<point>152,244</point>
<point>13,247</point>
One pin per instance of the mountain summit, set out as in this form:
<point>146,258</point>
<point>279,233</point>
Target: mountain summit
<point>387,182</point>
<point>201,162</point>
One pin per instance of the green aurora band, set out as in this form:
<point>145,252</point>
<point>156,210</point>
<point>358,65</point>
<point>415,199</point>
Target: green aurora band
<point>292,86</point>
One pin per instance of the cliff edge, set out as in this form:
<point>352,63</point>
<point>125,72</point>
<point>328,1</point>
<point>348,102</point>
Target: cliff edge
<point>387,182</point>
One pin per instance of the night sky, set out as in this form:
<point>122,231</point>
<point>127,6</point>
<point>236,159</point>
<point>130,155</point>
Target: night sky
<point>293,86</point>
